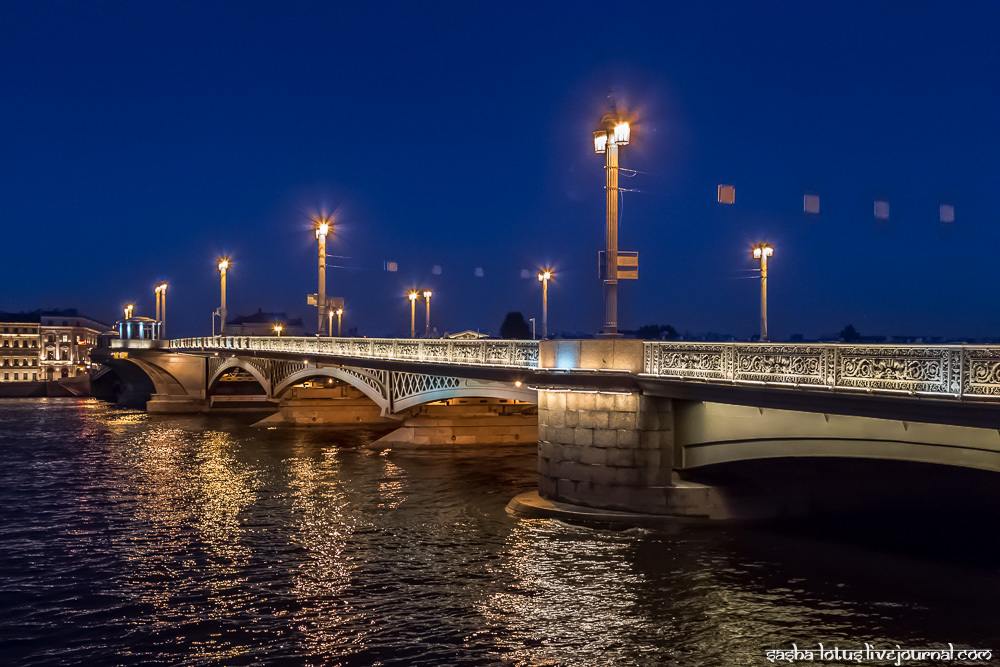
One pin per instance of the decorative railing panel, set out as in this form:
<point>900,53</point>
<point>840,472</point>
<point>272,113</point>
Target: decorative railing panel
<point>519,353</point>
<point>950,371</point>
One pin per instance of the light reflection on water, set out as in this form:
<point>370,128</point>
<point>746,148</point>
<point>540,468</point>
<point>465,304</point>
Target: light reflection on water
<point>132,540</point>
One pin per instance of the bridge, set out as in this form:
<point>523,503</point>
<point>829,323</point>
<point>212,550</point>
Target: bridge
<point>622,425</point>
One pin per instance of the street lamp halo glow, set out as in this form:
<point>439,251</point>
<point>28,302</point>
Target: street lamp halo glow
<point>622,133</point>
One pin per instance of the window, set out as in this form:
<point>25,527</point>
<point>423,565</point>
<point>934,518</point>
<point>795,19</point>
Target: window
<point>65,338</point>
<point>34,376</point>
<point>6,376</point>
<point>15,376</point>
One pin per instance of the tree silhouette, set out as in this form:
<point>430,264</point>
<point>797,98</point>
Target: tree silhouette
<point>656,332</point>
<point>514,326</point>
<point>849,334</point>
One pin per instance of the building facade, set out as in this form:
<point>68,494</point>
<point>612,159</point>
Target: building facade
<point>19,347</point>
<point>262,324</point>
<point>66,339</point>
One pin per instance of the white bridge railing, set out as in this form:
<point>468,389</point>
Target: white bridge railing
<point>947,371</point>
<point>510,353</point>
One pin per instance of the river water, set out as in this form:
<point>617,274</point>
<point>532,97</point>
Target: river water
<point>128,539</point>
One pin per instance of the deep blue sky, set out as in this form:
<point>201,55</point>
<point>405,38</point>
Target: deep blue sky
<point>140,140</point>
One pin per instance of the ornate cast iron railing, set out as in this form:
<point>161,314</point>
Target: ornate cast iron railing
<point>947,371</point>
<point>509,353</point>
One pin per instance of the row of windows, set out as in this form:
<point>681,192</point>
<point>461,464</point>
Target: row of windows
<point>20,362</point>
<point>34,376</point>
<point>20,343</point>
<point>20,330</point>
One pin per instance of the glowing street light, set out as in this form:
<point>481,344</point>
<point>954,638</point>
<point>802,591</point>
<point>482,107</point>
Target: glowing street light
<point>128,310</point>
<point>762,251</point>
<point>340,313</point>
<point>427,321</point>
<point>614,131</point>
<point>223,267</point>
<point>543,277</point>
<point>323,224</point>
<point>277,329</point>
<point>161,306</point>
<point>412,296</point>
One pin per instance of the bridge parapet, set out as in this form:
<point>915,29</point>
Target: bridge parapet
<point>942,371</point>
<point>506,353</point>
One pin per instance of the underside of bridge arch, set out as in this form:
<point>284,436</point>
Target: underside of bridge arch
<point>714,433</point>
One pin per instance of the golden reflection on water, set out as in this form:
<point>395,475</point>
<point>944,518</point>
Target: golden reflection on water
<point>580,595</point>
<point>179,493</point>
<point>323,524</point>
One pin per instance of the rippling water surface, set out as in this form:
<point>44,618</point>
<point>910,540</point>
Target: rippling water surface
<point>133,540</point>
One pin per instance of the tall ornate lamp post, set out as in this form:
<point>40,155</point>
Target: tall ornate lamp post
<point>543,277</point>
<point>277,329</point>
<point>612,133</point>
<point>412,296</point>
<point>340,312</point>
<point>427,320</point>
<point>161,306</point>
<point>323,224</point>
<point>762,251</point>
<point>128,310</point>
<point>223,267</point>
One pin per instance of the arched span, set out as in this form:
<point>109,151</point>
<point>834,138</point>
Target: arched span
<point>467,389</point>
<point>236,362</point>
<point>713,433</point>
<point>369,382</point>
<point>395,392</point>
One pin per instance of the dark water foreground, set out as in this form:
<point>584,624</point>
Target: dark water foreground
<point>132,540</point>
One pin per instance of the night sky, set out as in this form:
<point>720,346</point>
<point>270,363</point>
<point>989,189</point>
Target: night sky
<point>143,139</point>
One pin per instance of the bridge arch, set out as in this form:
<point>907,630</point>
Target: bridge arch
<point>396,392</point>
<point>230,363</point>
<point>713,433</point>
<point>369,382</point>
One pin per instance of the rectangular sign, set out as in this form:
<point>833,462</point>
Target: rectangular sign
<point>628,265</point>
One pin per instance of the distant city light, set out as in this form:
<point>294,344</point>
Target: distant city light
<point>727,194</point>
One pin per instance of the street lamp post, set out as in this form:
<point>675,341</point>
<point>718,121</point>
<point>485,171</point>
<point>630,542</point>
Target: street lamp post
<point>412,296</point>
<point>330,316</point>
<point>161,306</point>
<point>340,313</point>
<point>427,320</point>
<point>223,267</point>
<point>322,229</point>
<point>543,277</point>
<point>277,329</point>
<point>762,251</point>
<point>128,310</point>
<point>532,320</point>
<point>612,133</point>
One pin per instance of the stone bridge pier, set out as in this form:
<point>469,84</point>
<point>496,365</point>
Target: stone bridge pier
<point>604,445</point>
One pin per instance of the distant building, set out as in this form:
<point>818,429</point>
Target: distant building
<point>468,334</point>
<point>19,340</point>
<point>66,339</point>
<point>262,324</point>
<point>46,344</point>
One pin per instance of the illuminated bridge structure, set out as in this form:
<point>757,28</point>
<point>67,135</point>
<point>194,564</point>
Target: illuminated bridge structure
<point>621,424</point>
